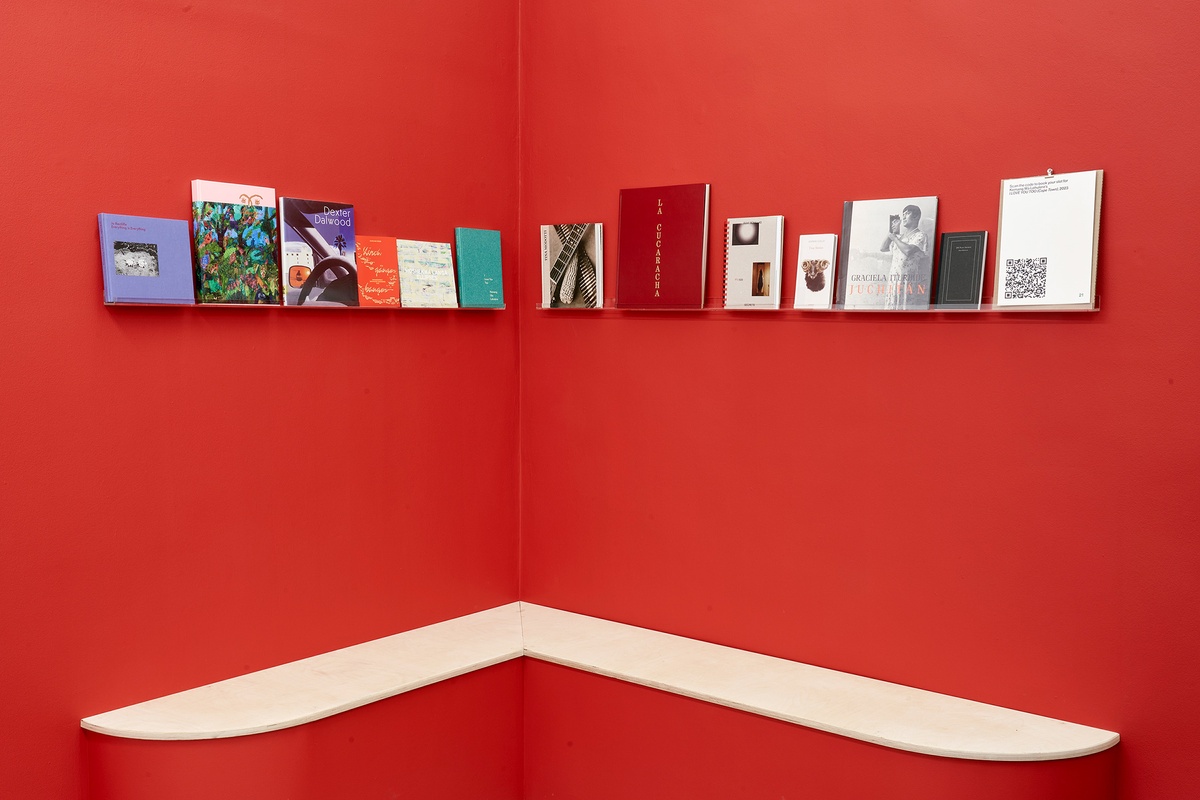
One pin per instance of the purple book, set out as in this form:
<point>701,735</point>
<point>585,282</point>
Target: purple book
<point>146,260</point>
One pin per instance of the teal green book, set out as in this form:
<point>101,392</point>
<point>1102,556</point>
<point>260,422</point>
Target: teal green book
<point>480,280</point>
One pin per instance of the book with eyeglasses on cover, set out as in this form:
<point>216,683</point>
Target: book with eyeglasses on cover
<point>236,235</point>
<point>1049,240</point>
<point>753,256</point>
<point>573,266</point>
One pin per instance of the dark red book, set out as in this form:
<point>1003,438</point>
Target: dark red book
<point>662,246</point>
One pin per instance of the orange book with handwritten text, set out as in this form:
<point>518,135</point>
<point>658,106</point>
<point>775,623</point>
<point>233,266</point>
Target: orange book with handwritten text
<point>378,271</point>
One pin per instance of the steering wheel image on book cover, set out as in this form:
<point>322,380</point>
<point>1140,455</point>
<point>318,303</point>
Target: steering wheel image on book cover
<point>318,253</point>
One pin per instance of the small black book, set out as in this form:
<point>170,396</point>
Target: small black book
<point>960,269</point>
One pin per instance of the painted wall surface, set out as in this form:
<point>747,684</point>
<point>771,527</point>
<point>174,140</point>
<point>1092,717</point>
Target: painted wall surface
<point>191,494</point>
<point>999,507</point>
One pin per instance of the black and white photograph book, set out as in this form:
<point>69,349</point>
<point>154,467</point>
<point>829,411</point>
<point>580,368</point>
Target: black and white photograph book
<point>887,253</point>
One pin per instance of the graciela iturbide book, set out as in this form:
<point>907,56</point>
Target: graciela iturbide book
<point>814,270</point>
<point>662,246</point>
<point>1049,240</point>
<point>316,248</point>
<point>753,256</point>
<point>887,253</point>
<point>960,269</point>
<point>480,278</point>
<point>146,260</point>
<point>573,266</point>
<point>236,234</point>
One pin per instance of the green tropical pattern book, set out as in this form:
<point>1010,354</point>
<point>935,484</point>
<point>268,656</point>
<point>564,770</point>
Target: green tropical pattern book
<point>236,233</point>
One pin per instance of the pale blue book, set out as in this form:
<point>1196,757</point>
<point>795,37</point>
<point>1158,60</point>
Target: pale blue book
<point>480,280</point>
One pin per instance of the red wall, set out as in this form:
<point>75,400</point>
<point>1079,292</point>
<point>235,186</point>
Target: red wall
<point>189,494</point>
<point>1000,507</point>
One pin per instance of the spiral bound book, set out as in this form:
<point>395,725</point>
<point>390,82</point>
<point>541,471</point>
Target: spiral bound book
<point>753,256</point>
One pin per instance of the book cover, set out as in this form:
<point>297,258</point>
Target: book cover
<point>662,246</point>
<point>235,233</point>
<point>1048,244</point>
<point>814,274</point>
<point>753,262</point>
<point>887,253</point>
<point>378,271</point>
<point>316,246</point>
<point>573,266</point>
<point>480,279</point>
<point>960,269</point>
<point>146,260</point>
<point>426,274</point>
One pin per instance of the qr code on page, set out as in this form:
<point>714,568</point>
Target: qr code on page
<point>1025,278</point>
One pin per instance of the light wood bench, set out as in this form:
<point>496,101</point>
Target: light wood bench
<point>875,711</point>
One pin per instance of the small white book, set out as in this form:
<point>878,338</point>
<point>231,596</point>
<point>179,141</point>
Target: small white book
<point>426,274</point>
<point>753,262</point>
<point>573,266</point>
<point>815,270</point>
<point>1049,236</point>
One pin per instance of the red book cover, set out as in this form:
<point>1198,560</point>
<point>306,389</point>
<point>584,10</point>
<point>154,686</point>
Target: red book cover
<point>378,271</point>
<point>662,247</point>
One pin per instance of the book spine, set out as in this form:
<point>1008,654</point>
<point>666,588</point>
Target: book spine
<point>728,239</point>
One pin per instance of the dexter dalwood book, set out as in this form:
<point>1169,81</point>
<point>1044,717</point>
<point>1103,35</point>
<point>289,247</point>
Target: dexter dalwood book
<point>426,274</point>
<point>662,246</point>
<point>753,261</point>
<point>887,253</point>
<point>480,277</point>
<point>1049,236</point>
<point>960,269</point>
<point>573,266</point>
<point>316,247</point>
<point>814,270</point>
<point>146,260</point>
<point>236,235</point>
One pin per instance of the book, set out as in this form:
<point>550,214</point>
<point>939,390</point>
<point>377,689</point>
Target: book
<point>573,266</point>
<point>235,233</point>
<point>753,262</point>
<point>480,279</point>
<point>145,260</point>
<point>662,246</point>
<point>378,271</point>
<point>887,253</point>
<point>960,269</point>
<point>1049,240</point>
<point>426,274</point>
<point>316,245</point>
<point>814,277</point>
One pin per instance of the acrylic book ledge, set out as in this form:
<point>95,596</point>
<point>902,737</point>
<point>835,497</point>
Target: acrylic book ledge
<point>984,308</point>
<point>307,307</point>
<point>861,708</point>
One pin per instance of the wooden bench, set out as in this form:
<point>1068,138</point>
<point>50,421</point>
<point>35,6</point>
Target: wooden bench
<point>875,711</point>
